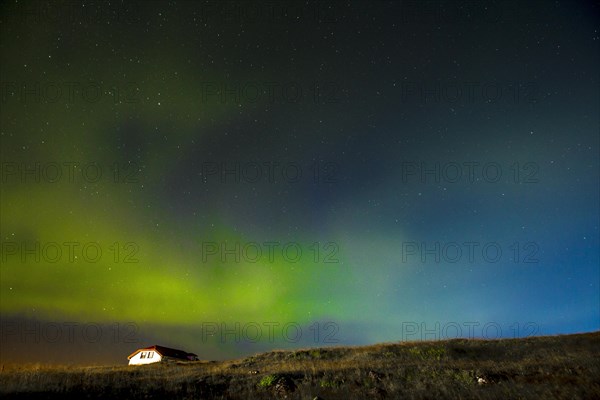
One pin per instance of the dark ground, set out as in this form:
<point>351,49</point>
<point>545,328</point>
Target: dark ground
<point>553,367</point>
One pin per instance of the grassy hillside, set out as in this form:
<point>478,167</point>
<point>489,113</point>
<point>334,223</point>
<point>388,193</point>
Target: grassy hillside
<point>556,367</point>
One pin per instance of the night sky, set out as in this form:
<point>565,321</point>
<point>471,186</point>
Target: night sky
<point>228,178</point>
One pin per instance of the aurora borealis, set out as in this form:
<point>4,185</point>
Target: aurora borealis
<point>350,169</point>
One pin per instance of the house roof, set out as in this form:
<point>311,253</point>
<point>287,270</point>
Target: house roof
<point>165,352</point>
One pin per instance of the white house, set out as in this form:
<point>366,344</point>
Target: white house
<point>156,353</point>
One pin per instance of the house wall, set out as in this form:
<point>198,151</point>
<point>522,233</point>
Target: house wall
<point>138,360</point>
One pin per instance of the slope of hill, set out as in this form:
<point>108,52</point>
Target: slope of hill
<point>552,367</point>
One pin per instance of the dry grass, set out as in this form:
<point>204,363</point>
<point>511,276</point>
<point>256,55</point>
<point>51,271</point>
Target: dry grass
<point>559,367</point>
